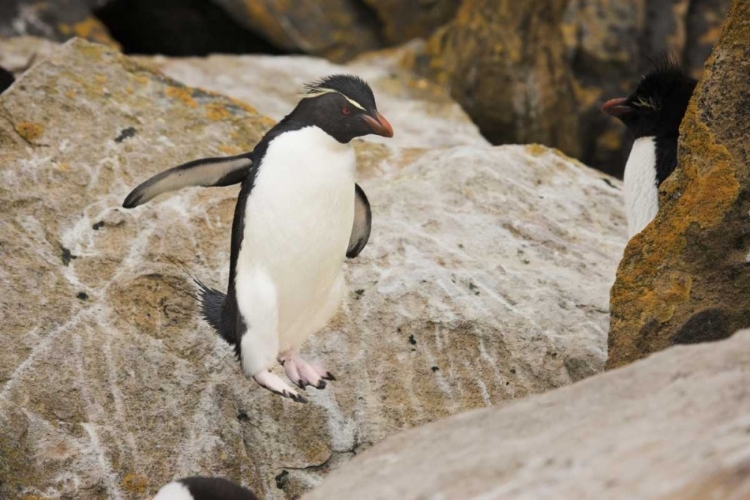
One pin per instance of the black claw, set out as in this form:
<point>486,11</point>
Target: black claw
<point>329,376</point>
<point>301,385</point>
<point>321,384</point>
<point>299,399</point>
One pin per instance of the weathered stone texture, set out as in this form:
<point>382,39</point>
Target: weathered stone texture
<point>685,278</point>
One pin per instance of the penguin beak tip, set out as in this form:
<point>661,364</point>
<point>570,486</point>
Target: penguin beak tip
<point>379,124</point>
<point>616,107</point>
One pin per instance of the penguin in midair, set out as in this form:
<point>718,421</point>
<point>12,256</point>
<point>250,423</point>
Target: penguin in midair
<point>204,488</point>
<point>299,214</point>
<point>652,114</point>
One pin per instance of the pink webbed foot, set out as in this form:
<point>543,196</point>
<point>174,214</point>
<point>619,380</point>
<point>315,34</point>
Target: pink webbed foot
<point>303,373</point>
<point>273,383</point>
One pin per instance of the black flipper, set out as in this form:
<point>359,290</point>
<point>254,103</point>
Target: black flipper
<point>205,172</point>
<point>362,223</point>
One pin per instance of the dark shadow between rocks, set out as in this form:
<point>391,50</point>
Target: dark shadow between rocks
<point>179,28</point>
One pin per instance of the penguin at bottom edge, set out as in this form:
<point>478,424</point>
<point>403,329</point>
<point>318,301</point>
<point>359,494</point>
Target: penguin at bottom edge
<point>652,115</point>
<point>204,488</point>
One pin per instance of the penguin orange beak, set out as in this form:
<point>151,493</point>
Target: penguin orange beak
<point>616,107</point>
<point>379,124</point>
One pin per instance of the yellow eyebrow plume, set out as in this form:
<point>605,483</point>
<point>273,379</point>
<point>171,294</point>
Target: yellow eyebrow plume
<point>319,91</point>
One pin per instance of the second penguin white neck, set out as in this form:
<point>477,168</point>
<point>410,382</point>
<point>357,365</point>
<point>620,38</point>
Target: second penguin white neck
<point>641,191</point>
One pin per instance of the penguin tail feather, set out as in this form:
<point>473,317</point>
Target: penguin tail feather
<point>211,300</point>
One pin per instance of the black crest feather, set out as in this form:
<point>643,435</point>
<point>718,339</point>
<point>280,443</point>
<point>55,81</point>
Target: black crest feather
<point>351,86</point>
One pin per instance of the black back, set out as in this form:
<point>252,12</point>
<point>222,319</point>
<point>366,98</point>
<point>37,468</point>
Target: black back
<point>216,488</point>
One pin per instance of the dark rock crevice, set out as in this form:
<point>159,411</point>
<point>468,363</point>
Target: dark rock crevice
<point>179,28</point>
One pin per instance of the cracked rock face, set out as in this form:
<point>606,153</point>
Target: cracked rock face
<point>486,279</point>
<point>673,426</point>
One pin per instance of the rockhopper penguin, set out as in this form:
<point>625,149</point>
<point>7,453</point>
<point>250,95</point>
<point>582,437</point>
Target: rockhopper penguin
<point>299,214</point>
<point>204,488</point>
<point>652,114</point>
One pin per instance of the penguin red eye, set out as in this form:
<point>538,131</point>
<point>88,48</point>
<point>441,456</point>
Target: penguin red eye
<point>345,110</point>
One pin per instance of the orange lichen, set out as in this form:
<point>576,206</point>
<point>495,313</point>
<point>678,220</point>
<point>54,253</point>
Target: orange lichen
<point>242,105</point>
<point>90,29</point>
<point>30,131</point>
<point>184,94</point>
<point>216,112</point>
<point>536,149</point>
<point>135,483</point>
<point>660,304</point>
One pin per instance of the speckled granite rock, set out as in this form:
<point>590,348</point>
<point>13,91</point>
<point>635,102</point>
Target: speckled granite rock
<point>685,278</point>
<point>674,426</point>
<point>485,280</point>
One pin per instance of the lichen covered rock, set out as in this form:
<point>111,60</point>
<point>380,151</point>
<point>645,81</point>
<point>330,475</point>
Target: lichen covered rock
<point>485,279</point>
<point>505,62</point>
<point>685,278</point>
<point>55,20</point>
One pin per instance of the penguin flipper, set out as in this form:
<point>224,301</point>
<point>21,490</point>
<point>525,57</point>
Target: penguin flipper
<point>204,172</point>
<point>362,223</point>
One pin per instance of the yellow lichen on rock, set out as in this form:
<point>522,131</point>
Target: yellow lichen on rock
<point>30,131</point>
<point>183,94</point>
<point>91,29</point>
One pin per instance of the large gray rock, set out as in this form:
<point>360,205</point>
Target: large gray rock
<point>486,279</point>
<point>674,426</point>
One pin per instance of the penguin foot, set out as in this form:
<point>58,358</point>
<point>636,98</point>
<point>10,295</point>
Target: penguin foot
<point>303,373</point>
<point>273,383</point>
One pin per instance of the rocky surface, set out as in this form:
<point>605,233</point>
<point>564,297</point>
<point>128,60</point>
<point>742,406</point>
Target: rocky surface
<point>539,71</point>
<point>485,280</point>
<point>685,278</point>
<point>55,20</point>
<point>674,426</point>
<point>335,29</point>
<point>405,20</point>
<point>505,63</point>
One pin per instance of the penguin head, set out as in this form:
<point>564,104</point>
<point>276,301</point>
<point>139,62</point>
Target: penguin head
<point>344,107</point>
<point>657,106</point>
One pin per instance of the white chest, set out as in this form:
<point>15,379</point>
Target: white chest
<point>641,192</point>
<point>299,215</point>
